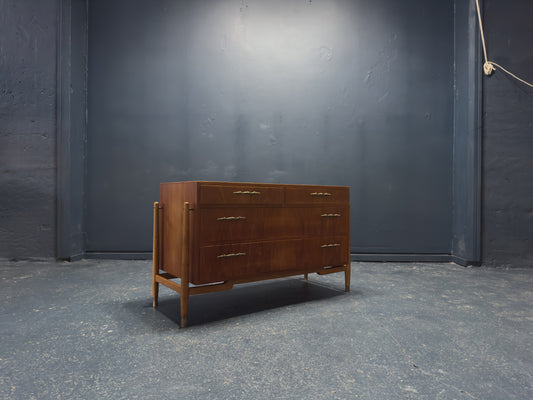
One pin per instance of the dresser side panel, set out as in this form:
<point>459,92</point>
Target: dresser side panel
<point>172,198</point>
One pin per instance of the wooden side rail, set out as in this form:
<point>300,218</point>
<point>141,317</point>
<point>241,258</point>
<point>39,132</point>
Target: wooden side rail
<point>156,249</point>
<point>184,294</point>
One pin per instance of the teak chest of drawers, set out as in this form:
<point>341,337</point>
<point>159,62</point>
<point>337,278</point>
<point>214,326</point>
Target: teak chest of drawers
<point>217,234</point>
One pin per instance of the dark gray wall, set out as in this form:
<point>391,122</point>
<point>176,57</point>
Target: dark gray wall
<point>508,137</point>
<point>27,128</point>
<point>28,119</point>
<point>342,92</point>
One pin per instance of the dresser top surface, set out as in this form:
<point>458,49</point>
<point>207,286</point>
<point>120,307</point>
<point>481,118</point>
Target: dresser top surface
<point>224,183</point>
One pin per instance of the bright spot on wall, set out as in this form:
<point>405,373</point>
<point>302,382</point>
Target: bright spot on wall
<point>271,37</point>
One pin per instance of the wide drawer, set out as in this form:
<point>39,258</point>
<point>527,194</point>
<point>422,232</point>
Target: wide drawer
<point>326,251</point>
<point>246,260</point>
<point>317,194</point>
<point>218,225</point>
<point>240,194</point>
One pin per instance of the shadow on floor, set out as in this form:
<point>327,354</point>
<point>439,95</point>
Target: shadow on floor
<point>244,299</point>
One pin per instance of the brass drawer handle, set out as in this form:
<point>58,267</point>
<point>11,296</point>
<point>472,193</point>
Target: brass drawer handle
<point>246,192</point>
<point>331,245</point>
<point>320,194</point>
<point>231,255</point>
<point>230,218</point>
<point>330,215</point>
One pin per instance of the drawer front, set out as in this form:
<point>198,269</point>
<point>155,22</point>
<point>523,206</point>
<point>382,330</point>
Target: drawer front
<point>240,194</point>
<point>230,224</point>
<point>323,221</point>
<point>317,195</point>
<point>218,225</point>
<point>246,260</point>
<point>326,251</point>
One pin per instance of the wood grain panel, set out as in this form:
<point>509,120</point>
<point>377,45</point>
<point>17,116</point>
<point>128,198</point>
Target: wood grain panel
<point>240,194</point>
<point>243,260</point>
<point>325,251</point>
<point>230,224</point>
<point>330,220</point>
<point>300,194</point>
<point>172,196</point>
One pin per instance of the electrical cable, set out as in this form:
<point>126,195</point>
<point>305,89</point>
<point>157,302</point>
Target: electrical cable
<point>489,66</point>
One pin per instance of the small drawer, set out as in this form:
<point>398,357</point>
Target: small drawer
<point>226,262</point>
<point>230,224</point>
<point>326,251</point>
<point>240,194</point>
<point>317,195</point>
<point>333,220</point>
<point>325,221</point>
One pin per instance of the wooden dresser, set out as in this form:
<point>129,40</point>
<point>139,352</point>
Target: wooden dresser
<point>217,234</point>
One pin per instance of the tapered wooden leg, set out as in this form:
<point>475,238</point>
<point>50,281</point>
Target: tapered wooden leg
<point>347,274</point>
<point>155,256</point>
<point>306,277</point>
<point>184,293</point>
<point>155,294</point>
<point>184,305</point>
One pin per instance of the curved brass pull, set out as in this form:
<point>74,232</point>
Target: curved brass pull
<point>331,245</point>
<point>330,215</point>
<point>230,218</point>
<point>231,255</point>
<point>246,192</point>
<point>320,194</point>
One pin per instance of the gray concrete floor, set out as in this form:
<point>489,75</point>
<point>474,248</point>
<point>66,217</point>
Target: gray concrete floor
<point>86,330</point>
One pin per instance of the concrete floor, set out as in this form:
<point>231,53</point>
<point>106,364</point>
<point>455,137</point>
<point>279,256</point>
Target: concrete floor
<point>86,330</point>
